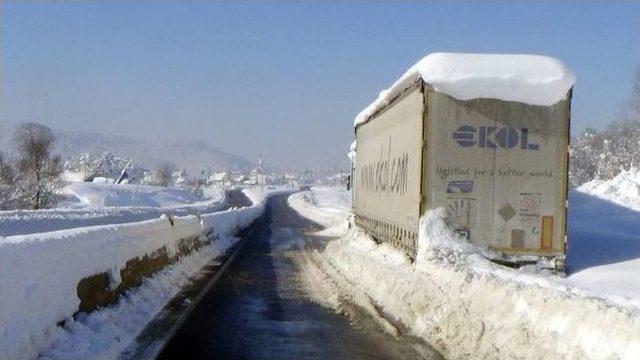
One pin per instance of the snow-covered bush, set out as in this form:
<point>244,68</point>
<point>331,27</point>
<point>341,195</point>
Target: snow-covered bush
<point>163,176</point>
<point>604,155</point>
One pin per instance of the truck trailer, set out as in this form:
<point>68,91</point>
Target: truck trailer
<point>485,136</point>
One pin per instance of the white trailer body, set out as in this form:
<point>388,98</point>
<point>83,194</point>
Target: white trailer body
<point>498,167</point>
<point>388,169</point>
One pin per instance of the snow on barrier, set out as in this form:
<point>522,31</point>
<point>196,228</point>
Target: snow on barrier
<point>40,273</point>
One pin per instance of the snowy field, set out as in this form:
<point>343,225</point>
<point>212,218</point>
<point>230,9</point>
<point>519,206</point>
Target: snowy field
<point>36,298</point>
<point>100,195</point>
<point>89,204</point>
<point>466,306</point>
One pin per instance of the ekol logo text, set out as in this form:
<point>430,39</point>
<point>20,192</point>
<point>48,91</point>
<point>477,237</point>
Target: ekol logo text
<point>492,137</point>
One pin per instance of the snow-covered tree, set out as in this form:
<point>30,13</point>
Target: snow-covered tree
<point>7,185</point>
<point>604,155</point>
<point>583,157</point>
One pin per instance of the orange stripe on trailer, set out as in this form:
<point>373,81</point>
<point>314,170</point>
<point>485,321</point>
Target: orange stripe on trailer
<point>546,237</point>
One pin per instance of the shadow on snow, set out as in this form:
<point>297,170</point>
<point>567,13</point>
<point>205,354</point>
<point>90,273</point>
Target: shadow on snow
<point>600,232</point>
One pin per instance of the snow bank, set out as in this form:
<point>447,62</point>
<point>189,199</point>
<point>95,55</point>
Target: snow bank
<point>530,79</point>
<point>437,240</point>
<point>328,206</point>
<point>468,307</point>
<point>624,189</point>
<point>39,273</point>
<point>105,333</point>
<point>259,196</point>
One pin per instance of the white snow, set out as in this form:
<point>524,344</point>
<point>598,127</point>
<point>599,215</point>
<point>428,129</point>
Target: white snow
<point>623,190</point>
<point>530,79</point>
<point>100,195</point>
<point>106,332</point>
<point>328,206</point>
<point>352,151</point>
<point>466,306</point>
<point>353,145</point>
<point>259,195</point>
<point>39,272</point>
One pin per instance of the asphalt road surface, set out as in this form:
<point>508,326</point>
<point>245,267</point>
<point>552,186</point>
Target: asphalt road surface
<point>259,310</point>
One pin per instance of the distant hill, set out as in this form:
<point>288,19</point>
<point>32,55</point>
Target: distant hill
<point>192,156</point>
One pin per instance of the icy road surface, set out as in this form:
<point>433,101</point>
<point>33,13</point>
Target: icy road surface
<point>260,308</point>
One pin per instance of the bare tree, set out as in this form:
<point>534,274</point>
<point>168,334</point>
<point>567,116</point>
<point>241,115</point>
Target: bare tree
<point>164,174</point>
<point>37,171</point>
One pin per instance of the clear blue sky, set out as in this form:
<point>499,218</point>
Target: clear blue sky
<point>282,79</point>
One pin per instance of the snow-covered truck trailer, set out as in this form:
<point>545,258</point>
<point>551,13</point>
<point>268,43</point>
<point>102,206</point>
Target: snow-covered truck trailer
<point>486,137</point>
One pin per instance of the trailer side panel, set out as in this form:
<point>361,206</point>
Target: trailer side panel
<point>387,175</point>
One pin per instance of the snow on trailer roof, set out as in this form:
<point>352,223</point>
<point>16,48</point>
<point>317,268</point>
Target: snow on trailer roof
<point>530,79</point>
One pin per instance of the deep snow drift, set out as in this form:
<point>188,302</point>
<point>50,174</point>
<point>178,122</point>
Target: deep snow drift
<point>530,79</point>
<point>466,306</point>
<point>623,190</point>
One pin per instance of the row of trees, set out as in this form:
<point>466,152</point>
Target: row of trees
<point>112,166</point>
<point>31,177</point>
<point>603,155</point>
<point>107,165</point>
